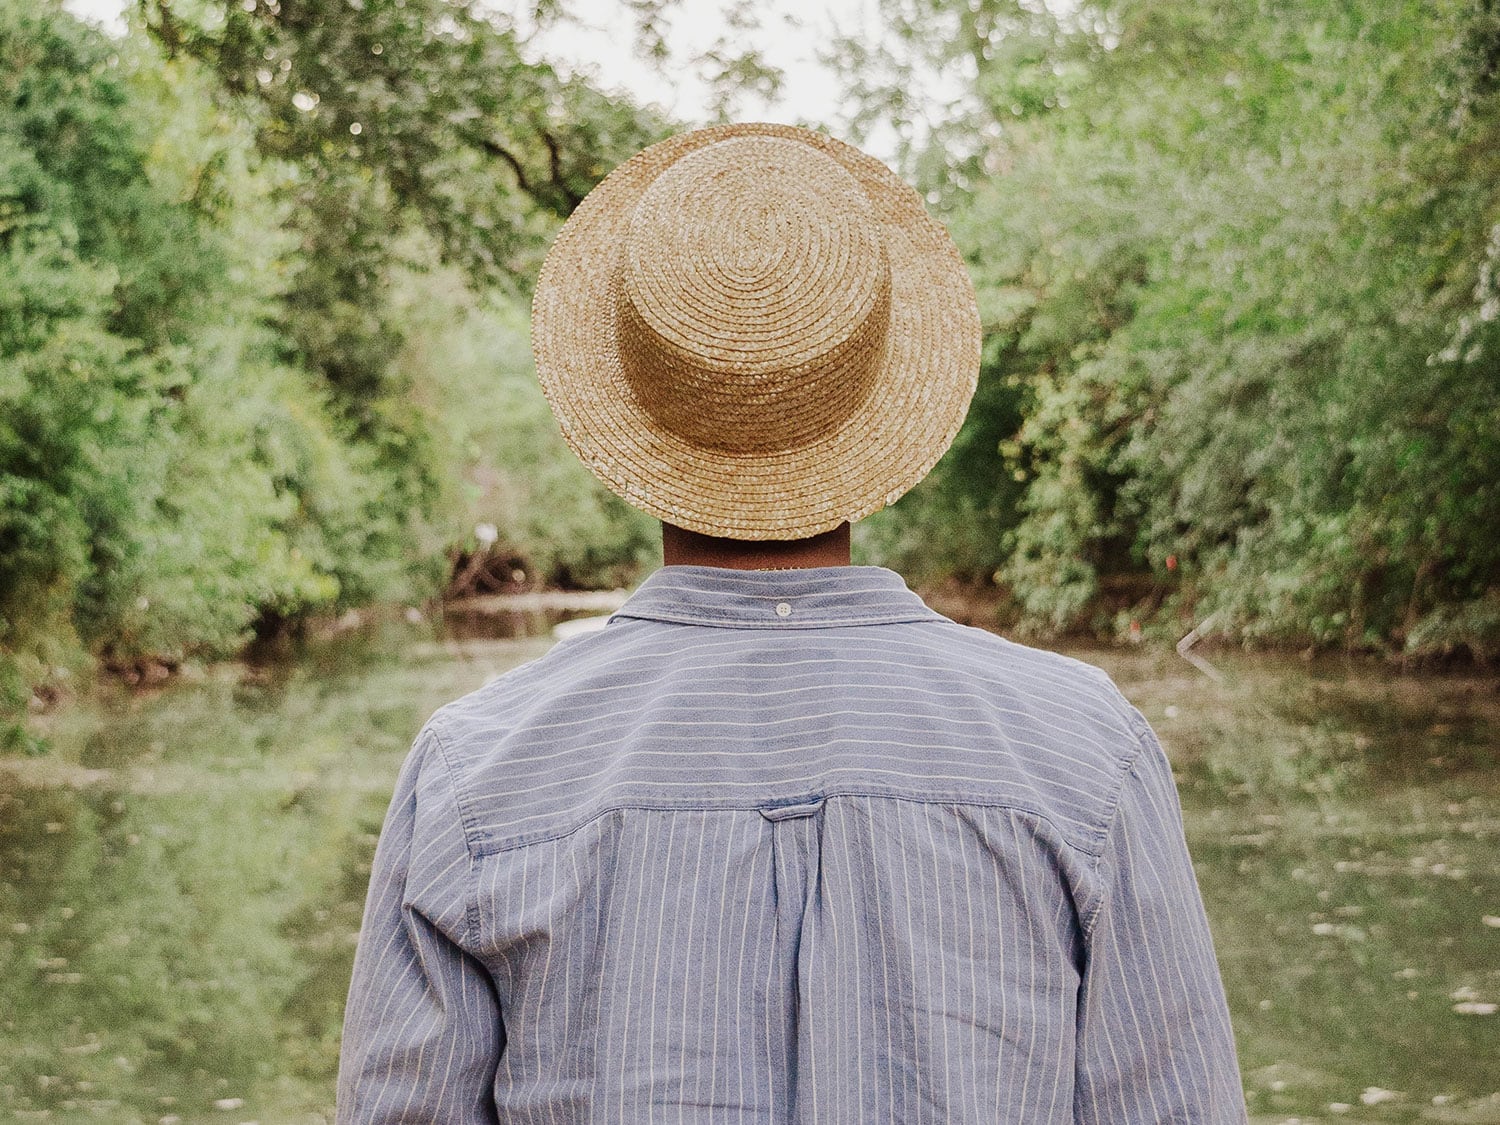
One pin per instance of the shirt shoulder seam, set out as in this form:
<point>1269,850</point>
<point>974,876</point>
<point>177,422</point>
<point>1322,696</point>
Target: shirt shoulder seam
<point>516,843</point>
<point>465,826</point>
<point>1112,810</point>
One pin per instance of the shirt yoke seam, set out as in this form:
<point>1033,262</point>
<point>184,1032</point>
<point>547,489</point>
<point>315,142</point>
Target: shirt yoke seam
<point>516,843</point>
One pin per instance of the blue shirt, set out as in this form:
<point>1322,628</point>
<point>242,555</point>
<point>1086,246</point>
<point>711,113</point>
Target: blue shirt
<point>787,846</point>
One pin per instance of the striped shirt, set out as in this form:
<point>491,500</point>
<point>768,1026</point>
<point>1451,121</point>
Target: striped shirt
<point>787,846</point>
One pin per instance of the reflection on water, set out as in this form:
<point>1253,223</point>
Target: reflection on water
<point>181,879</point>
<point>1345,823</point>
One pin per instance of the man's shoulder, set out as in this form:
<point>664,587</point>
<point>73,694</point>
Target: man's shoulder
<point>1043,676</point>
<point>508,693</point>
<point>984,661</point>
<point>1066,673</point>
<point>973,713</point>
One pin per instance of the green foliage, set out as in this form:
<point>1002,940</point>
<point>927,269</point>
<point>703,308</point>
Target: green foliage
<point>212,418</point>
<point>498,449</point>
<point>396,118</point>
<point>944,527</point>
<point>1239,263</point>
<point>389,115</point>
<point>427,105</point>
<point>151,442</point>
<point>393,115</point>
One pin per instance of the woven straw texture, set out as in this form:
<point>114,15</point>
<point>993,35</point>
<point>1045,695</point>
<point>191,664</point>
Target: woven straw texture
<point>756,331</point>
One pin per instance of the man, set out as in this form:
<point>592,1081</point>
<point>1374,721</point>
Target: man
<point>780,842</point>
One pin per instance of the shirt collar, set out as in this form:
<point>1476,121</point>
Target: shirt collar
<point>803,598</point>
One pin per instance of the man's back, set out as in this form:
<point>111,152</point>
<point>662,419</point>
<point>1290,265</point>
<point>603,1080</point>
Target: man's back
<point>782,846</point>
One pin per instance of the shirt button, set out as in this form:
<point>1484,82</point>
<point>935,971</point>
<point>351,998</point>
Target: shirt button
<point>782,609</point>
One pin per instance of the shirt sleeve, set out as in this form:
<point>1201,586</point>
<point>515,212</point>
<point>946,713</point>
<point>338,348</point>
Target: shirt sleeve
<point>1154,1038</point>
<point>422,1029</point>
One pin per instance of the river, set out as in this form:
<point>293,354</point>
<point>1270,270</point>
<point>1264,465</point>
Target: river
<point>181,876</point>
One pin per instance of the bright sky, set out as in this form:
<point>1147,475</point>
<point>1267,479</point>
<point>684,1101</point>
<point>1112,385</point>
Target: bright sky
<point>790,34</point>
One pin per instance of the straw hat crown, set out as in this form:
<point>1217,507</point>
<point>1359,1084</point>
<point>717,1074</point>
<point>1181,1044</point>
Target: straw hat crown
<point>754,296</point>
<point>755,331</point>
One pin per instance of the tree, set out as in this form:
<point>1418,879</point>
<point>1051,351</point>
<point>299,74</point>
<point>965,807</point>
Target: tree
<point>1239,263</point>
<point>145,509</point>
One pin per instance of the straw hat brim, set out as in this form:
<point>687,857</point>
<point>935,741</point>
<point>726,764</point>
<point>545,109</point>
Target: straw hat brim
<point>916,404</point>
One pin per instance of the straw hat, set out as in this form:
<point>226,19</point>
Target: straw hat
<point>756,331</point>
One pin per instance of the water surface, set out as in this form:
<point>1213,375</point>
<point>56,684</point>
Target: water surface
<point>181,878</point>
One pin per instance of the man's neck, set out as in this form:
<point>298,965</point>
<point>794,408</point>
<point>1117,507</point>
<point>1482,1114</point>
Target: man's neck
<point>681,547</point>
